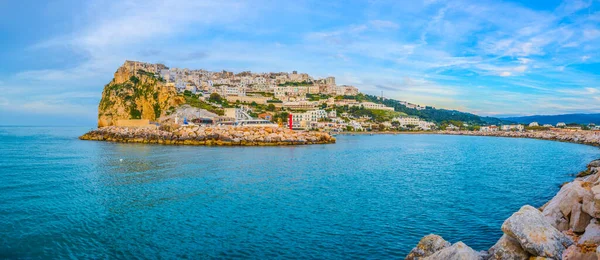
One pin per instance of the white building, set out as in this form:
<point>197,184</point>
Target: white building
<point>414,121</point>
<point>561,124</point>
<point>226,90</point>
<point>300,105</point>
<point>533,124</point>
<point>512,127</point>
<point>345,90</point>
<point>488,128</point>
<point>371,105</point>
<point>452,127</point>
<point>290,91</point>
<point>547,125</point>
<point>303,120</point>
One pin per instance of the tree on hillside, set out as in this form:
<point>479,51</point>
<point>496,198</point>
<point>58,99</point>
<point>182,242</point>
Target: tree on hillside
<point>271,107</point>
<point>215,98</point>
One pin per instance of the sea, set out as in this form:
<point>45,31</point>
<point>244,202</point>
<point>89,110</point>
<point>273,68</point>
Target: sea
<point>364,197</point>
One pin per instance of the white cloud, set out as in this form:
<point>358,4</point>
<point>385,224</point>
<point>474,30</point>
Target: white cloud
<point>382,24</point>
<point>442,47</point>
<point>591,34</point>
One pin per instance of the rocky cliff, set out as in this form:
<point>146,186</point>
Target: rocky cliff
<point>136,93</point>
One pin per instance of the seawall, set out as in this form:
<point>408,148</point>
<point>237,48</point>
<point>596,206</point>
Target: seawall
<point>218,135</point>
<point>580,137</point>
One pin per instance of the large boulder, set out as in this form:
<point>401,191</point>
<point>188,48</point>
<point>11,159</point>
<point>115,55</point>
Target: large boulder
<point>558,209</point>
<point>536,235</point>
<point>458,251</point>
<point>580,252</point>
<point>507,248</point>
<point>591,234</point>
<point>579,219</point>
<point>428,245</point>
<point>591,204</point>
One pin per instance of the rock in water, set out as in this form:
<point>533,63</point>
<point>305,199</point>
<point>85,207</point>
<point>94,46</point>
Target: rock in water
<point>508,248</point>
<point>428,245</point>
<point>458,251</point>
<point>594,163</point>
<point>535,234</point>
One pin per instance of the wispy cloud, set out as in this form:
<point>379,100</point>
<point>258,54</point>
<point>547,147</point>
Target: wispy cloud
<point>460,54</point>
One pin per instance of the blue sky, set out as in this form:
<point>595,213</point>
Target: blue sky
<point>487,57</point>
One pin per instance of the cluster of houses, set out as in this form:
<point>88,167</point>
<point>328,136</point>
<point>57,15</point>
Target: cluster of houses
<point>305,97</point>
<point>520,127</point>
<point>283,86</point>
<point>309,100</point>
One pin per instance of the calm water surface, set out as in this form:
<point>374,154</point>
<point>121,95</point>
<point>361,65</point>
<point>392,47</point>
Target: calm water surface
<point>364,197</point>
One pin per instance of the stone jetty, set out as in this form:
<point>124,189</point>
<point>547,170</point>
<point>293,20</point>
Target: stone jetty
<point>566,227</point>
<point>214,135</point>
<point>580,137</point>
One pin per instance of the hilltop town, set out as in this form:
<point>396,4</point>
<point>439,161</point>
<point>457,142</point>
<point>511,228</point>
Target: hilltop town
<point>163,95</point>
<point>311,103</point>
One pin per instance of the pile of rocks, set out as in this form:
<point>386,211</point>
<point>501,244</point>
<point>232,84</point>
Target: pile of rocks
<point>567,227</point>
<point>218,135</point>
<point>582,137</point>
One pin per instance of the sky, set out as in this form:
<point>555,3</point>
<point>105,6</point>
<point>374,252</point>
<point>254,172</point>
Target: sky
<point>492,58</point>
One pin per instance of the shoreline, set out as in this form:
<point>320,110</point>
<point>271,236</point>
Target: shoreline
<point>580,137</point>
<point>387,133</point>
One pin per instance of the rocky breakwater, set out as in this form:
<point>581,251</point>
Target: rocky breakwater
<point>566,227</point>
<point>218,135</point>
<point>581,137</point>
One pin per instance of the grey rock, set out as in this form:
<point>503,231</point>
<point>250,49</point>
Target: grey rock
<point>458,251</point>
<point>507,248</point>
<point>535,234</point>
<point>579,253</point>
<point>591,234</point>
<point>591,204</point>
<point>557,210</point>
<point>579,219</point>
<point>428,245</point>
<point>594,163</point>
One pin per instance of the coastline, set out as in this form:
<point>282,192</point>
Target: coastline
<point>579,137</point>
<point>389,133</point>
<point>566,227</point>
<point>208,136</point>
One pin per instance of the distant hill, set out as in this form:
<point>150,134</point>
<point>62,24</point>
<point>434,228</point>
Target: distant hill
<point>437,115</point>
<point>553,119</point>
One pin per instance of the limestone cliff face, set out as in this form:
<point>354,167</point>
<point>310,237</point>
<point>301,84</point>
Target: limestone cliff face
<point>136,93</point>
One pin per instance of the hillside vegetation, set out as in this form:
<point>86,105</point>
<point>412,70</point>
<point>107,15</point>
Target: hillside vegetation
<point>135,95</point>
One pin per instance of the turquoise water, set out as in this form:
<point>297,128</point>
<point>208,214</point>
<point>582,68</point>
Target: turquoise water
<point>364,197</point>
